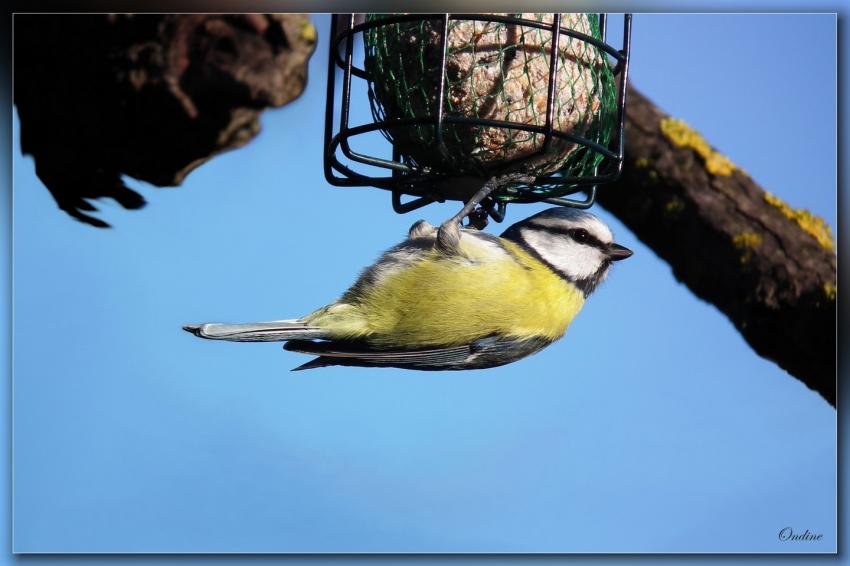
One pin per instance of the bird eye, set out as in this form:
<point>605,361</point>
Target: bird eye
<point>579,235</point>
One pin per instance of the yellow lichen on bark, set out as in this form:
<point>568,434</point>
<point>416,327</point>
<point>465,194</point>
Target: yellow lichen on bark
<point>745,242</point>
<point>810,223</point>
<point>682,135</point>
<point>830,291</point>
<point>674,206</point>
<point>308,33</point>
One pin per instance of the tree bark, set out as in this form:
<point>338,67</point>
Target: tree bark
<point>768,267</point>
<point>145,95</point>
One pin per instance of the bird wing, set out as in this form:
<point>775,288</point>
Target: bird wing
<point>486,352</point>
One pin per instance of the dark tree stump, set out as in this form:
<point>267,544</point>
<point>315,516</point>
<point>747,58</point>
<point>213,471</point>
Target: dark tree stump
<point>149,96</point>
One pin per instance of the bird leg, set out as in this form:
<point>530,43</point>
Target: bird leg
<point>448,235</point>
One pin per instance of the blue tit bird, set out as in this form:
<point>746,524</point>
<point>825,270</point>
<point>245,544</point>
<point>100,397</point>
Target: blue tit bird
<point>453,298</point>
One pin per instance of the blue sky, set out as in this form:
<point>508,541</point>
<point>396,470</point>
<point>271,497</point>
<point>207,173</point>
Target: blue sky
<point>131,435</point>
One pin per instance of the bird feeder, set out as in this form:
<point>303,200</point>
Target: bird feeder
<point>461,98</point>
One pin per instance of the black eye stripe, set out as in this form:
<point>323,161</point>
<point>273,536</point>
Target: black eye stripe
<point>591,240</point>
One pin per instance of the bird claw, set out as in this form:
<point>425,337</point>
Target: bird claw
<point>448,237</point>
<point>421,229</point>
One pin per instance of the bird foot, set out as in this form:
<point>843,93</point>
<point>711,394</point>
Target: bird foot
<point>421,229</point>
<point>448,236</point>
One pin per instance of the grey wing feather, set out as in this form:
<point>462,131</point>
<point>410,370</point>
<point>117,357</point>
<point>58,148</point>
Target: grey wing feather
<point>352,354</point>
<point>487,352</point>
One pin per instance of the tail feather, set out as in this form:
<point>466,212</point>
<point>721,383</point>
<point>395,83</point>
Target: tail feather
<point>274,331</point>
<point>319,362</point>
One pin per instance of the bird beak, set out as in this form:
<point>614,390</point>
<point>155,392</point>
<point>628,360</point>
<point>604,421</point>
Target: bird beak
<point>617,252</point>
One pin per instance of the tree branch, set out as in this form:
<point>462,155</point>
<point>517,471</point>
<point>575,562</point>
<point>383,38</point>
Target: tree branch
<point>768,267</point>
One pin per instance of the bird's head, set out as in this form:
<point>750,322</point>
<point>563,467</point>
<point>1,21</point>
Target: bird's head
<point>572,242</point>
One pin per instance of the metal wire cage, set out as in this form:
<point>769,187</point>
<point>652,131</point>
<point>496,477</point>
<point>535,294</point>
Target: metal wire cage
<point>431,160</point>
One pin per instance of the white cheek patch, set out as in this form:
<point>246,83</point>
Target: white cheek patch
<point>575,260</point>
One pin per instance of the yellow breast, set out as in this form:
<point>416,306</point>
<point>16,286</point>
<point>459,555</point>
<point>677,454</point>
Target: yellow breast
<point>455,299</point>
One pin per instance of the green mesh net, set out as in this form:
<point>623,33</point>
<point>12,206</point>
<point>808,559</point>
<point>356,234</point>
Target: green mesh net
<point>494,71</point>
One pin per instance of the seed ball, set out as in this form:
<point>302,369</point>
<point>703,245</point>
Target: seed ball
<point>494,71</point>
